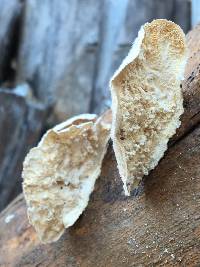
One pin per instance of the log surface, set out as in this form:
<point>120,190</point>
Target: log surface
<point>158,226</point>
<point>191,84</point>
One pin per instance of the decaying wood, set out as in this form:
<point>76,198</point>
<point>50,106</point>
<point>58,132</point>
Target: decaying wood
<point>57,53</point>
<point>10,12</point>
<point>159,225</point>
<point>114,13</point>
<point>21,121</point>
<point>191,85</point>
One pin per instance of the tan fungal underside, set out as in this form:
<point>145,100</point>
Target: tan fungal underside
<point>59,174</point>
<point>147,99</point>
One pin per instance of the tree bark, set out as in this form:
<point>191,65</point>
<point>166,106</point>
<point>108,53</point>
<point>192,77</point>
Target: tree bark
<point>190,85</point>
<point>159,225</point>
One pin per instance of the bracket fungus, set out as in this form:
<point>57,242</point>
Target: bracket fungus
<point>59,174</point>
<point>147,100</point>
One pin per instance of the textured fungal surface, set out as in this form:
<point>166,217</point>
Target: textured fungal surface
<point>147,99</point>
<point>59,174</point>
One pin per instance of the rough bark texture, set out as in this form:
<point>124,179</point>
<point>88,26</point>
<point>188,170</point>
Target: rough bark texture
<point>191,84</point>
<point>159,225</point>
<point>21,121</point>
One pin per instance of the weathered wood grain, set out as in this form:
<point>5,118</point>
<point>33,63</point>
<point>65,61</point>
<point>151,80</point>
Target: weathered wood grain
<point>158,227</point>
<point>57,53</point>
<point>191,85</point>
<point>21,121</point>
<point>10,14</point>
<point>113,16</point>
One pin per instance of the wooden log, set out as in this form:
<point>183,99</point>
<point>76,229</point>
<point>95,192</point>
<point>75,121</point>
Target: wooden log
<point>159,225</point>
<point>113,14</point>
<point>190,85</point>
<point>10,14</point>
<point>21,121</point>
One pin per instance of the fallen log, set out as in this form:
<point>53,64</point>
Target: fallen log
<point>190,85</point>
<point>159,225</point>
